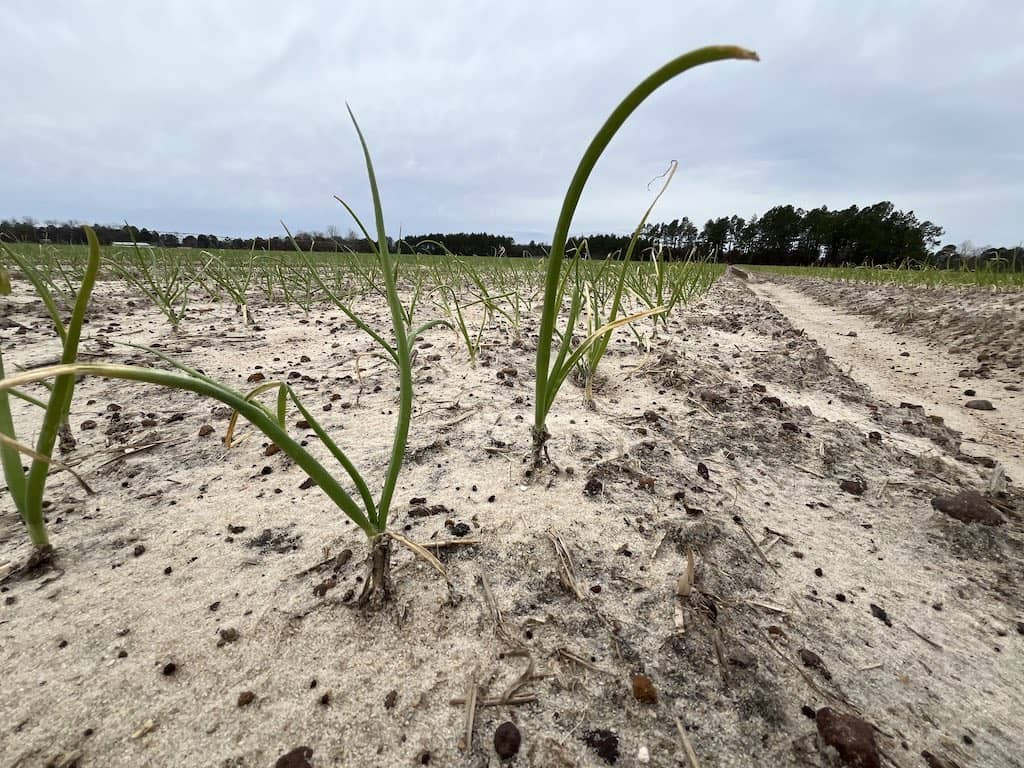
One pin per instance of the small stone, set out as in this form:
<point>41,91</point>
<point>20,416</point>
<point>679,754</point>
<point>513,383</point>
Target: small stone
<point>460,529</point>
<point>391,699</point>
<point>297,758</point>
<point>643,755</point>
<point>87,425</point>
<point>811,660</point>
<point>228,635</point>
<point>643,689</point>
<point>604,743</point>
<point>139,550</point>
<point>979,405</point>
<point>205,431</point>
<point>851,737</point>
<point>879,613</point>
<point>507,740</point>
<point>169,669</point>
<point>968,507</point>
<point>245,698</point>
<point>855,486</point>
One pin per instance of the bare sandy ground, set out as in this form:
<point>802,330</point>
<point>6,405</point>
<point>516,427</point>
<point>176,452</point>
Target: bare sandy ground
<point>905,367</point>
<point>202,610</point>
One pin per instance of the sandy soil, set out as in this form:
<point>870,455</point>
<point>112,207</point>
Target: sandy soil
<point>901,365</point>
<point>202,611</point>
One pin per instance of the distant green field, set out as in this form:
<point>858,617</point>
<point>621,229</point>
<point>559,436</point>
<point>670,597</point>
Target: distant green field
<point>997,276</point>
<point>171,277</point>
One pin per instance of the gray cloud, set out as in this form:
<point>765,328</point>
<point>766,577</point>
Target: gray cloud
<point>227,117</point>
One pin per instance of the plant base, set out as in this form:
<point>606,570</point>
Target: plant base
<point>377,590</point>
<point>39,562</point>
<point>539,454</point>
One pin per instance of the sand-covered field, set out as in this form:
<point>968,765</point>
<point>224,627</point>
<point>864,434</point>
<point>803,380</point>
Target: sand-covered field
<point>856,561</point>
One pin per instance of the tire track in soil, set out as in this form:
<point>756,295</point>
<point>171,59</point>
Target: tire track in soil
<point>924,376</point>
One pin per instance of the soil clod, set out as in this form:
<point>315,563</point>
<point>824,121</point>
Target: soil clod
<point>979,405</point>
<point>969,507</point>
<point>643,689</point>
<point>297,758</point>
<point>851,737</point>
<point>604,743</point>
<point>507,740</point>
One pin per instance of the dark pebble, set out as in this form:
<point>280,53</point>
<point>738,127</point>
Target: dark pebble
<point>968,507</point>
<point>391,699</point>
<point>604,743</point>
<point>139,549</point>
<point>297,758</point>
<point>807,712</point>
<point>811,660</point>
<point>855,487</point>
<point>979,405</point>
<point>245,698</point>
<point>228,635</point>
<point>851,737</point>
<point>169,669</point>
<point>205,431</point>
<point>460,529</point>
<point>643,689</point>
<point>879,613</point>
<point>507,740</point>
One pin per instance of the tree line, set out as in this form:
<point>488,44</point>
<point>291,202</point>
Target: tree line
<point>784,235</point>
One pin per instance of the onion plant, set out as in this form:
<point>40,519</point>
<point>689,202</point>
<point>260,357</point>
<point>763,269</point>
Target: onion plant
<point>27,488</point>
<point>599,311</point>
<point>550,377</point>
<point>234,279</point>
<point>368,512</point>
<point>163,277</point>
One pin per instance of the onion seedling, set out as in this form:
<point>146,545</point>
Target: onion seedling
<point>164,278</point>
<point>27,489</point>
<point>595,301</point>
<point>550,378</point>
<point>369,513</point>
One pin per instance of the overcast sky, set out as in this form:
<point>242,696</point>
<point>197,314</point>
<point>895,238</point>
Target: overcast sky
<point>224,117</point>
